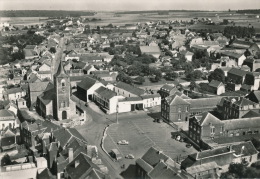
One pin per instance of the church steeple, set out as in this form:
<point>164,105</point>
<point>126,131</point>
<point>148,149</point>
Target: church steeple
<point>60,71</point>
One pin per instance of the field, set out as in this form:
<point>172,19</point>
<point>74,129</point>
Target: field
<point>111,17</point>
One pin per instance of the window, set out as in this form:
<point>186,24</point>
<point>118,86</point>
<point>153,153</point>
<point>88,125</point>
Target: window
<point>63,83</point>
<point>187,108</point>
<point>212,130</point>
<point>221,129</point>
<point>179,116</point>
<point>179,109</point>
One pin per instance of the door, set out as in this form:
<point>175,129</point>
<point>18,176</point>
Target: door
<point>64,114</point>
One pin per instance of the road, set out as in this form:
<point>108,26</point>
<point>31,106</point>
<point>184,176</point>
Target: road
<point>92,131</point>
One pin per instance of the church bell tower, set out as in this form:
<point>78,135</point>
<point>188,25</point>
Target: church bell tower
<point>61,103</point>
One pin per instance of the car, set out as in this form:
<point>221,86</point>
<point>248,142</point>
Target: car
<point>188,145</point>
<point>122,142</point>
<point>178,137</point>
<point>130,156</point>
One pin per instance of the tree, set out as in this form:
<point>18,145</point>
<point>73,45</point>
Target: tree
<point>7,29</point>
<point>217,74</point>
<point>6,160</point>
<point>171,75</point>
<point>52,50</point>
<point>197,74</point>
<point>140,80</point>
<point>192,85</point>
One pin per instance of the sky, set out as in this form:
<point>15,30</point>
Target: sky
<point>112,5</point>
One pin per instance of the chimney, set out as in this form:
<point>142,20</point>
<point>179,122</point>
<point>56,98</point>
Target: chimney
<point>70,154</point>
<point>76,163</point>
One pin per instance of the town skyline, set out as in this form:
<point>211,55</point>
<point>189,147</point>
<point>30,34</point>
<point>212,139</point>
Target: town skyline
<point>127,5</point>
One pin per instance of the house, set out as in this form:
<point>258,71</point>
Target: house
<point>151,50</point>
<point>155,164</point>
<point>235,108</point>
<point>240,44</point>
<point>167,90</point>
<point>8,120</point>
<point>196,41</point>
<point>151,100</point>
<point>82,167</point>
<point>217,87</point>
<point>107,99</point>
<point>175,109</point>
<point>210,163</point>
<point>252,63</point>
<point>11,106</point>
<point>86,88</point>
<point>106,75</point>
<point>14,93</point>
<point>236,75</point>
<point>252,80</point>
<point>187,55</point>
<point>30,54</point>
<point>238,57</point>
<point>127,90</point>
<point>88,69</point>
<point>204,126</point>
<point>9,139</point>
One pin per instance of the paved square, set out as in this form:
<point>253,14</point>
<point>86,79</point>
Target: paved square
<point>142,133</point>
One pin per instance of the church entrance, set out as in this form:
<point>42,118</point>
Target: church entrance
<point>64,114</point>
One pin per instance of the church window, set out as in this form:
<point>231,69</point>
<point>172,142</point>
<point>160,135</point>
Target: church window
<point>62,83</point>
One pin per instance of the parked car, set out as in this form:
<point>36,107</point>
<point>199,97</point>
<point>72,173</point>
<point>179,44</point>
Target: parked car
<point>122,142</point>
<point>116,154</point>
<point>130,156</point>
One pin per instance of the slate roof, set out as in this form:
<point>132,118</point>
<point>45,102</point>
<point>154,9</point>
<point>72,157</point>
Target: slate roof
<point>241,44</point>
<point>105,93</point>
<point>251,114</point>
<point>207,118</point>
<point>215,83</point>
<point>38,86</point>
<point>130,88</point>
<point>244,102</point>
<point>153,156</point>
<point>232,54</point>
<point>150,49</point>
<point>168,87</point>
<point>14,90</point>
<point>201,168</point>
<point>144,165</point>
<point>82,170</point>
<point>6,113</point>
<point>242,123</point>
<point>248,148</point>
<point>47,96</point>
<point>175,100</point>
<point>45,174</point>
<point>201,103</point>
<point>87,83</point>
<point>238,72</point>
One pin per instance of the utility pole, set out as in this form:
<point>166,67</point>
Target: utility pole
<point>117,113</point>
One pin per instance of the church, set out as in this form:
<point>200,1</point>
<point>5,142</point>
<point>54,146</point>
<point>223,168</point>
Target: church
<point>55,101</point>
